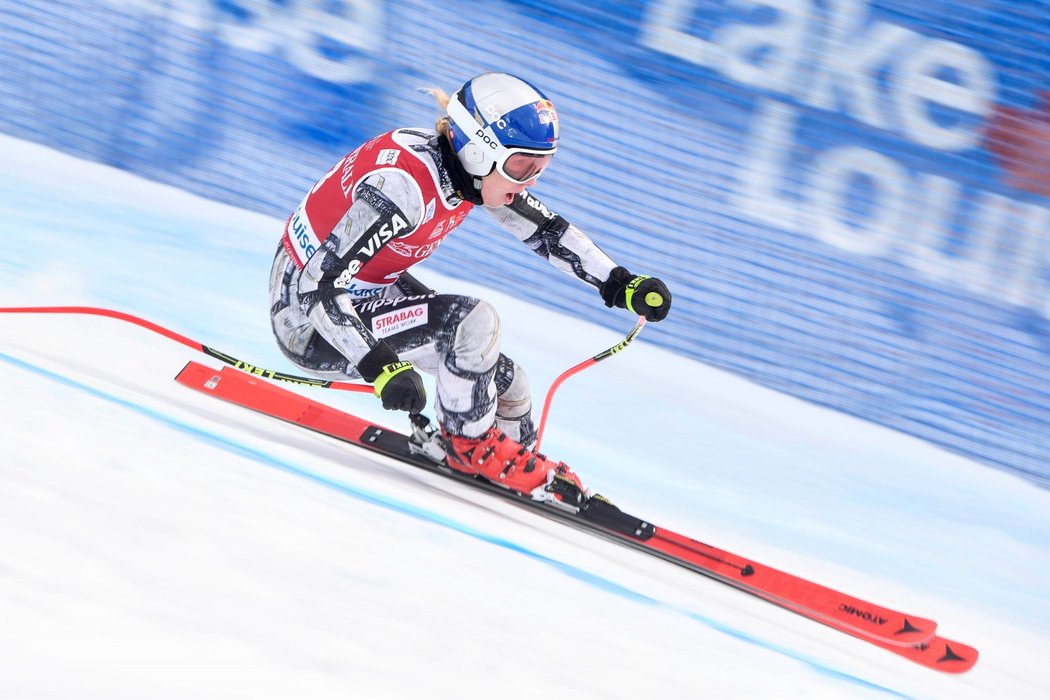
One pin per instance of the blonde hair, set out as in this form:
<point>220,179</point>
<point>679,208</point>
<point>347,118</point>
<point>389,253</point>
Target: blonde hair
<point>442,98</point>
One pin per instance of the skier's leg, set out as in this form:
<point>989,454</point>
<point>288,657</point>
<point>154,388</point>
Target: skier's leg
<point>295,334</point>
<point>514,402</point>
<point>466,388</point>
<point>480,394</point>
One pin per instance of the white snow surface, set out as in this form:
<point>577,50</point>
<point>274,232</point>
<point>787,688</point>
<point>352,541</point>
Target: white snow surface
<point>157,543</point>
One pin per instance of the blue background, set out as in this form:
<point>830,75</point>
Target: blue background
<point>250,102</point>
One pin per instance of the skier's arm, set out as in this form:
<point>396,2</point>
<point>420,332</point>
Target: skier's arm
<point>569,249</point>
<point>383,202</point>
<point>553,238</point>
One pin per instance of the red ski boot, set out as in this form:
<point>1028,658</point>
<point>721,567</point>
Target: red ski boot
<point>507,463</point>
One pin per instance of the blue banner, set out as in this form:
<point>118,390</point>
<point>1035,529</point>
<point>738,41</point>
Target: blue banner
<point>849,199</point>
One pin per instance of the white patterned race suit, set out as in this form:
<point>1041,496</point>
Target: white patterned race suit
<point>339,285</point>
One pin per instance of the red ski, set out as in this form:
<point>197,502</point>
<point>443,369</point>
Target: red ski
<point>909,636</point>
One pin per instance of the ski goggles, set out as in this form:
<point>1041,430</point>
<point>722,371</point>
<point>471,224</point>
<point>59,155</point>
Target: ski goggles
<point>522,166</point>
<point>518,164</point>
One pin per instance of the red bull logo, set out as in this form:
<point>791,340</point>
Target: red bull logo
<point>545,111</point>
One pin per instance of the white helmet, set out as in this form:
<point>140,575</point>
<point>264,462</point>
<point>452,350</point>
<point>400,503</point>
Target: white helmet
<point>495,116</point>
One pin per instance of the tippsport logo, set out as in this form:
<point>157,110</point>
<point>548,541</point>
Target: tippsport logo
<point>375,304</point>
<point>400,320</point>
<point>428,214</point>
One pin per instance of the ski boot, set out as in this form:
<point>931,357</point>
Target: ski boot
<point>507,463</point>
<point>561,487</point>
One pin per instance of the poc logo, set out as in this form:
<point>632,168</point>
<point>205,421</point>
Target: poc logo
<point>490,142</point>
<point>494,117</point>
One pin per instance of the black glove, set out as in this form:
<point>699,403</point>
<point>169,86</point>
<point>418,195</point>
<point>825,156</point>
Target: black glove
<point>401,388</point>
<point>395,381</point>
<point>641,294</point>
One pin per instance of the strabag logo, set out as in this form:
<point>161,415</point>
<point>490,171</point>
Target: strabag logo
<point>397,321</point>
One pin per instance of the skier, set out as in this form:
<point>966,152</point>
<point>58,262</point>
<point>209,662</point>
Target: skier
<point>343,304</point>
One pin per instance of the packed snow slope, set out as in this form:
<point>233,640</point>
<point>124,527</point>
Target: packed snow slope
<point>157,543</point>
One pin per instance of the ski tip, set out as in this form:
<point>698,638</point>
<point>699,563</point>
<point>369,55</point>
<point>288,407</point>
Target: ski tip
<point>939,654</point>
<point>955,657</point>
<point>915,630</point>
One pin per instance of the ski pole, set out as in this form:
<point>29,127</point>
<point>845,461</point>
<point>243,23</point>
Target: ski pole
<point>579,368</point>
<point>190,343</point>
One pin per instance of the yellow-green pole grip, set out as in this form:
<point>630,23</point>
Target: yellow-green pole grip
<point>632,286</point>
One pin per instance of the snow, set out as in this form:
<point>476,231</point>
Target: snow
<point>157,543</point>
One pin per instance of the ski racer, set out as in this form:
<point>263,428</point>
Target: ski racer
<point>343,304</point>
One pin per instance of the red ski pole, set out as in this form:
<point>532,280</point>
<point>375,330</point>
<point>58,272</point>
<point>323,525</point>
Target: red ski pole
<point>579,368</point>
<point>190,343</point>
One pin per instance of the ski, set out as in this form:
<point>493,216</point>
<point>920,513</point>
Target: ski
<point>909,636</point>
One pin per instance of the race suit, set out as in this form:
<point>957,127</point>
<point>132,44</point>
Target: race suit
<point>341,294</point>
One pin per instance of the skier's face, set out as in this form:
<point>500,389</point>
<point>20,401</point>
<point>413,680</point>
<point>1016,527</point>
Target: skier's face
<point>498,191</point>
